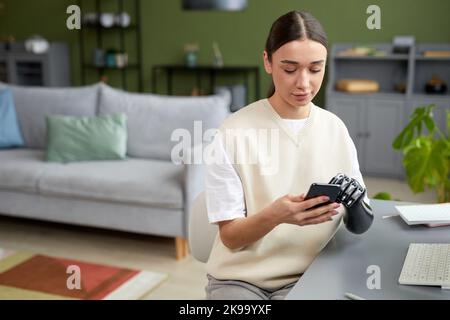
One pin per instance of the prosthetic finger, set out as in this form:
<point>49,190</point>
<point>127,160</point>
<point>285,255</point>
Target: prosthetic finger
<point>359,215</point>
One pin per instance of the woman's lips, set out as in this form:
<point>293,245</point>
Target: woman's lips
<point>300,97</point>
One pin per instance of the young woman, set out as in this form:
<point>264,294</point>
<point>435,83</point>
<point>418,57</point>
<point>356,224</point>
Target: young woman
<point>269,234</point>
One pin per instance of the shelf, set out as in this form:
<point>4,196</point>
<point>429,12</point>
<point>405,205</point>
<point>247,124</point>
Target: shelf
<point>422,95</point>
<point>422,58</point>
<point>50,69</point>
<point>421,49</point>
<point>375,119</point>
<point>98,27</point>
<point>385,94</point>
<point>417,95</point>
<point>378,58</point>
<point>130,66</point>
<point>29,73</point>
<point>128,39</point>
<point>169,72</point>
<point>206,68</point>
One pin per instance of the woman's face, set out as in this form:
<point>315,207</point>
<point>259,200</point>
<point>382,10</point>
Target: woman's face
<point>297,69</point>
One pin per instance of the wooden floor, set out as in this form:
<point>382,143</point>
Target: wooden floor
<point>186,277</point>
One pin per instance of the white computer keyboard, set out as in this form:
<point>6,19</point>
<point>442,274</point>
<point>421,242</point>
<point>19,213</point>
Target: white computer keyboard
<point>427,264</point>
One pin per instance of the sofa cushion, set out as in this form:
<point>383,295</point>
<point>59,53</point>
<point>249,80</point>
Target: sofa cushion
<point>137,181</point>
<point>33,104</point>
<point>10,135</point>
<point>86,138</point>
<point>20,169</point>
<point>153,118</point>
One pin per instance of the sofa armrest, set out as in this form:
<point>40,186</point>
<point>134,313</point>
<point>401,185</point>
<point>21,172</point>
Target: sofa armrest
<point>194,184</point>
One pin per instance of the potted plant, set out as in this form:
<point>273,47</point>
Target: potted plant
<point>426,155</point>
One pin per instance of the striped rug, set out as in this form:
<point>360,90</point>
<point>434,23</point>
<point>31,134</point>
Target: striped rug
<point>27,275</point>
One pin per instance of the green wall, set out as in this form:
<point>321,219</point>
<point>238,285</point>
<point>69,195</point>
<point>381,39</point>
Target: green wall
<point>241,35</point>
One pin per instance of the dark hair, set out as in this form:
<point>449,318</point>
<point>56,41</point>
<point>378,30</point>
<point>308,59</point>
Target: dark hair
<point>294,25</point>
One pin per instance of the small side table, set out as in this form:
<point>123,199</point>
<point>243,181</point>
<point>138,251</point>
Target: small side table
<point>211,71</point>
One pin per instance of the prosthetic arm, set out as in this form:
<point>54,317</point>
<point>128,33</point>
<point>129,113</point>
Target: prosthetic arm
<point>359,215</point>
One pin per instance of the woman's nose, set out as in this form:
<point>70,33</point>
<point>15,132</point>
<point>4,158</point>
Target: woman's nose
<point>302,81</point>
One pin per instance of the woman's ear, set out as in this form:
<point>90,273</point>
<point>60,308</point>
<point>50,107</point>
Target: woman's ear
<point>267,63</point>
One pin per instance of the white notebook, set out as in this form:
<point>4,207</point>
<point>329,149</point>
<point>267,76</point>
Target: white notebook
<point>431,214</point>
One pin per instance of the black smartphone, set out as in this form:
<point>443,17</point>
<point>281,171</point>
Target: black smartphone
<point>323,189</point>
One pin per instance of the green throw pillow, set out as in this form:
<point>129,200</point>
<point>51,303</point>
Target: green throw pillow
<point>86,138</point>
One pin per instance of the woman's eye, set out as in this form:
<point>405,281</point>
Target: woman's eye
<point>289,71</point>
<point>315,71</point>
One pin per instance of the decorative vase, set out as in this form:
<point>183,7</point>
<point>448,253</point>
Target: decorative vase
<point>191,59</point>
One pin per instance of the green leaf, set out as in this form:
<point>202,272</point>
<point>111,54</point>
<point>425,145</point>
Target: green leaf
<point>418,112</point>
<point>399,141</point>
<point>407,134</point>
<point>448,122</point>
<point>408,137</point>
<point>426,157</point>
<point>429,123</point>
<point>426,163</point>
<point>419,129</point>
<point>416,161</point>
<point>397,144</point>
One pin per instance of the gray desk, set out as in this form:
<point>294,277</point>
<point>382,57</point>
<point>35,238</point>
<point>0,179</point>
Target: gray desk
<point>342,265</point>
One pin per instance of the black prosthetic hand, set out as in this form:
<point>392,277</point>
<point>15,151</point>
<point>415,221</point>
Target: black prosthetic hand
<point>359,215</point>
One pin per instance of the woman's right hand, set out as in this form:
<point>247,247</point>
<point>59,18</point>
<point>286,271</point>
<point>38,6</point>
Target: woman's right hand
<point>296,210</point>
<point>240,232</point>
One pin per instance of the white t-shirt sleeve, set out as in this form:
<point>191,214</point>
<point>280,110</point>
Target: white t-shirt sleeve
<point>224,192</point>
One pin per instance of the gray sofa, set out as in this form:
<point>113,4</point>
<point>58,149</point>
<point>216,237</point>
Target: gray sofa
<point>146,193</point>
